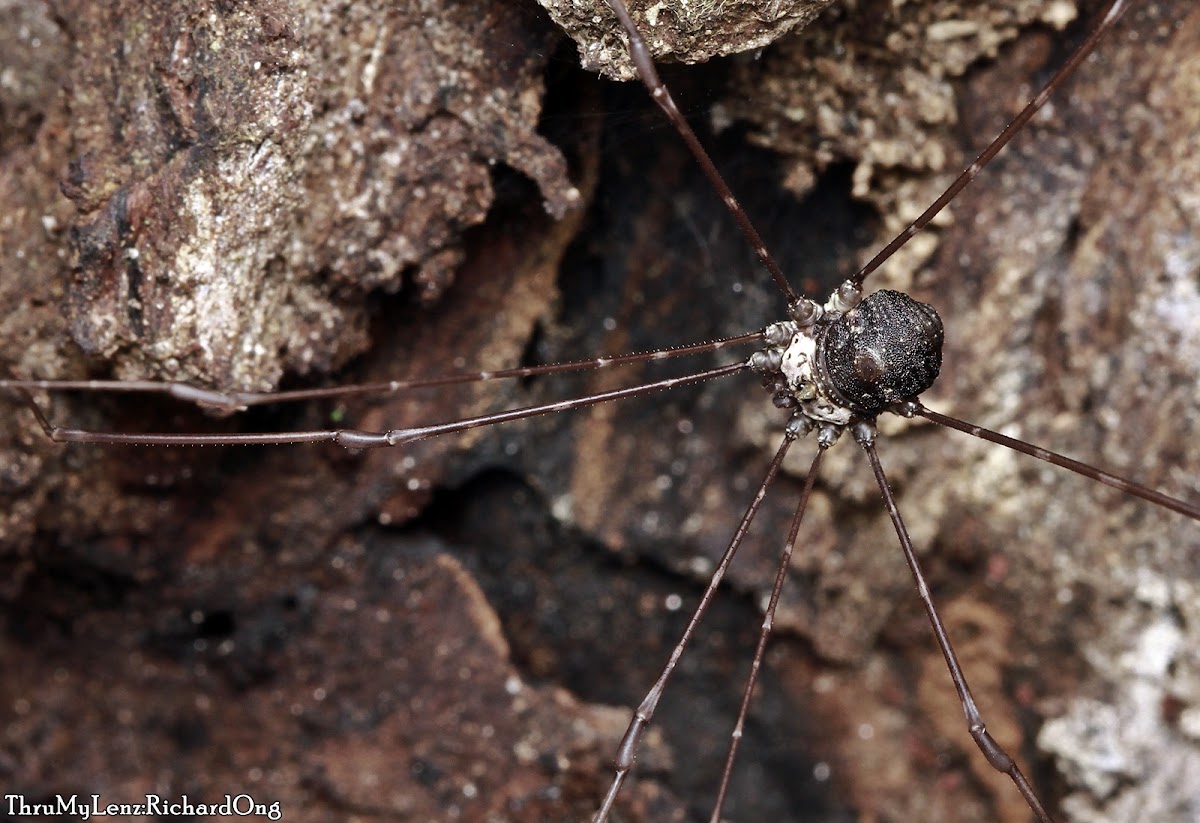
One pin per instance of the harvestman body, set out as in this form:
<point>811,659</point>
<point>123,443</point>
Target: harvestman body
<point>836,364</point>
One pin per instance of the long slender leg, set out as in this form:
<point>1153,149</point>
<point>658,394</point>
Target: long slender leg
<point>236,401</point>
<point>640,55</point>
<point>1091,472</point>
<point>627,750</point>
<point>355,439</point>
<point>1110,17</point>
<point>999,759</point>
<point>785,558</point>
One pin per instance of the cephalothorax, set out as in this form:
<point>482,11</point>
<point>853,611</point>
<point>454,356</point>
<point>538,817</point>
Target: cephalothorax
<point>851,358</point>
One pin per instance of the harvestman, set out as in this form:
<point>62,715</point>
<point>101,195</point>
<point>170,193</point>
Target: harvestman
<point>836,364</point>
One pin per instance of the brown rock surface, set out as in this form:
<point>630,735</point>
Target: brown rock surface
<point>244,194</point>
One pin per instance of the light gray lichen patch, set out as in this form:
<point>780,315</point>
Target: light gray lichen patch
<point>688,32</point>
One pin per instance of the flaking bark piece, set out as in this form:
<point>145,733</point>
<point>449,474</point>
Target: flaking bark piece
<point>687,32</point>
<point>245,173</point>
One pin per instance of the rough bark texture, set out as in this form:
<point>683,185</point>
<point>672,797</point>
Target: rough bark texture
<point>238,194</point>
<point>687,32</point>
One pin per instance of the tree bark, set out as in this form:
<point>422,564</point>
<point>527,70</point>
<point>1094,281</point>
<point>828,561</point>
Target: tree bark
<point>250,195</point>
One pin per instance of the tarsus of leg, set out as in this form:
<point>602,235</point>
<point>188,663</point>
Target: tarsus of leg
<point>236,401</point>
<point>765,632</point>
<point>1107,21</point>
<point>1091,472</point>
<point>627,750</point>
<point>640,54</point>
<point>999,759</point>
<point>355,439</point>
